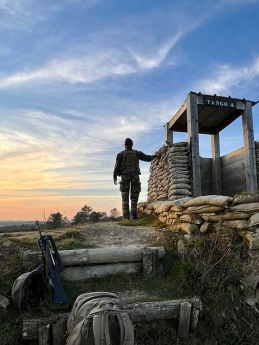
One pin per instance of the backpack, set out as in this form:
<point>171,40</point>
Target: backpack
<point>98,318</point>
<point>130,163</point>
<point>29,290</point>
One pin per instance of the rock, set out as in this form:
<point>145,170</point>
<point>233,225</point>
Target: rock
<point>4,302</point>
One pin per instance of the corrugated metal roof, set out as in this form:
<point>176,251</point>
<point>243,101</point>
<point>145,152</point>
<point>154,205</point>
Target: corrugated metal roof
<point>213,115</point>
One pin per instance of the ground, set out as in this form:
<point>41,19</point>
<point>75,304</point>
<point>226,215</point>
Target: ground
<point>208,269</point>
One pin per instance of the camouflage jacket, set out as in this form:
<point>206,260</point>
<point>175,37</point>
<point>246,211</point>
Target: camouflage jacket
<point>119,168</point>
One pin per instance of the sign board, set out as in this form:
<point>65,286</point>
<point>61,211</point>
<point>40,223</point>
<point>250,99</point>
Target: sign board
<point>219,102</point>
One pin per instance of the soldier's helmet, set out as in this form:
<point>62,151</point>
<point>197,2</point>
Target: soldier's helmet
<point>128,142</point>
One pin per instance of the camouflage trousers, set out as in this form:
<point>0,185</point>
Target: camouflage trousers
<point>130,186</point>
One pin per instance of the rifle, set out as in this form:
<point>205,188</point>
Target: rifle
<point>51,266</point>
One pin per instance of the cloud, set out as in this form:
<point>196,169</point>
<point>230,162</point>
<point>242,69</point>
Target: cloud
<point>227,77</point>
<point>22,14</point>
<point>156,58</point>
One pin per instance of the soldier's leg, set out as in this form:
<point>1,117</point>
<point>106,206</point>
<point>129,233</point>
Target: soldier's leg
<point>125,188</point>
<point>134,195</point>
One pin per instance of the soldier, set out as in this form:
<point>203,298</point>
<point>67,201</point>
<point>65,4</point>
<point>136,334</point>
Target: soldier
<point>127,166</point>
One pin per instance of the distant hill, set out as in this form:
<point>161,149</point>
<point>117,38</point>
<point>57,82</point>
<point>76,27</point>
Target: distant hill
<point>16,222</point>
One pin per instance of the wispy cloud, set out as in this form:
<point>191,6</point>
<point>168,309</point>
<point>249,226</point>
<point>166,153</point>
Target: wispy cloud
<point>226,77</point>
<point>21,14</point>
<point>156,58</point>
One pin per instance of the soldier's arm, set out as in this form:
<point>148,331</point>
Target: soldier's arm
<point>147,158</point>
<point>117,167</point>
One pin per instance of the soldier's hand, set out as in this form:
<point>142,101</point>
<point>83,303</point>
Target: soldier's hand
<point>115,181</point>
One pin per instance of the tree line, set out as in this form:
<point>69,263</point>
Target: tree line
<point>84,215</point>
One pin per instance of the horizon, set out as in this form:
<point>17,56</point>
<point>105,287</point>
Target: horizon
<point>78,77</point>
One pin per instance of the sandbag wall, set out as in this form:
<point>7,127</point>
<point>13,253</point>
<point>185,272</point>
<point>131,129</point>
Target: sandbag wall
<point>201,214</point>
<point>170,174</point>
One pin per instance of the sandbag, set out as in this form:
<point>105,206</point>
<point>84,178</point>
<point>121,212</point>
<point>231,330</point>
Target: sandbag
<point>224,216</point>
<point>244,199</point>
<point>249,207</point>
<point>179,192</point>
<point>178,149</point>
<point>188,228</point>
<point>241,224</point>
<point>204,209</point>
<point>254,219</point>
<point>191,218</point>
<point>215,200</point>
<point>181,186</point>
<point>162,196</point>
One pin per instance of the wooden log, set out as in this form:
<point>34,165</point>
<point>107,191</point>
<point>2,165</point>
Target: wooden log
<point>83,273</point>
<point>184,320</point>
<point>141,313</point>
<point>94,256</point>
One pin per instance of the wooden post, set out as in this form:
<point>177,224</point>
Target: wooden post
<point>184,320</point>
<point>168,134</point>
<point>249,149</point>
<point>216,168</point>
<point>155,258</point>
<point>193,136</point>
<point>44,335</point>
<point>59,329</point>
<point>147,261</point>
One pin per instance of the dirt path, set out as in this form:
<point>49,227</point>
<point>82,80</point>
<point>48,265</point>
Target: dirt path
<point>110,234</point>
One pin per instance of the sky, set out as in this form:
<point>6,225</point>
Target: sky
<point>79,76</point>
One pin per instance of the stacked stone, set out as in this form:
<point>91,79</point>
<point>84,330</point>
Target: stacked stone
<point>159,176</point>
<point>179,180</point>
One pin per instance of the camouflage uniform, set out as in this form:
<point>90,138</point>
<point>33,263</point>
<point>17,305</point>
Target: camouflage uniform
<point>127,166</point>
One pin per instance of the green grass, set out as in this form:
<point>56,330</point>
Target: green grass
<point>144,220</point>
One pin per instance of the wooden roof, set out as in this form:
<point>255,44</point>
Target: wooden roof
<point>214,113</point>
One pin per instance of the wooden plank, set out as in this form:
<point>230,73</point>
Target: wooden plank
<point>59,329</point>
<point>233,169</point>
<point>168,134</point>
<point>44,335</point>
<point>237,179</point>
<point>249,148</point>
<point>234,189</point>
<point>140,312</point>
<point>184,320</point>
<point>216,167</point>
<point>193,136</point>
<point>177,115</point>
<point>31,326</point>
<point>232,157</point>
<point>83,273</point>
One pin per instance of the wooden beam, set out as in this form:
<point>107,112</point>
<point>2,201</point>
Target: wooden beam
<point>168,134</point>
<point>216,168</point>
<point>193,136</point>
<point>184,320</point>
<point>141,312</point>
<point>177,115</point>
<point>249,149</point>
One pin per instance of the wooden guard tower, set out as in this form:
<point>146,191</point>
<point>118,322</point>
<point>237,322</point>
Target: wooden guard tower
<point>209,114</point>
